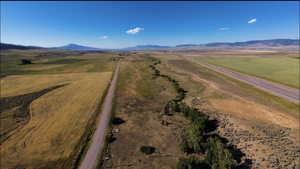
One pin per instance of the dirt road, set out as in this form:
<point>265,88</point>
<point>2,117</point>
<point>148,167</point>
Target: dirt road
<point>92,156</point>
<point>286,92</point>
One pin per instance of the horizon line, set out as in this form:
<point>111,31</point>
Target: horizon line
<point>152,44</point>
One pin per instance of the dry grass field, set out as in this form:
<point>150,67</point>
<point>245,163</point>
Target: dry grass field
<point>57,119</point>
<point>48,108</point>
<point>139,103</point>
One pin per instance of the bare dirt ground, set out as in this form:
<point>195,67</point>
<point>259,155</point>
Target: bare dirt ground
<point>91,158</point>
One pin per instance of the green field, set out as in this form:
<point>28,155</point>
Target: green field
<point>282,70</point>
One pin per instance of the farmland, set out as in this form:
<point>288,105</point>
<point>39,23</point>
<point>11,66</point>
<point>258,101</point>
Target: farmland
<point>54,62</point>
<point>44,122</point>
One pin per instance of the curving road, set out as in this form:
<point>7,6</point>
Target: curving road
<point>91,158</point>
<point>286,92</point>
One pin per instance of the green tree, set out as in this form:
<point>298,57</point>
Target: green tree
<point>217,156</point>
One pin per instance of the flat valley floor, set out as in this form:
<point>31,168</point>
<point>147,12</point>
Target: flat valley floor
<point>48,108</point>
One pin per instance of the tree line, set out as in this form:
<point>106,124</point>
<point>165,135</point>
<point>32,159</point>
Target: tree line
<point>203,150</point>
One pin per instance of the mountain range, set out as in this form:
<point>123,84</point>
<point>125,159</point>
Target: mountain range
<point>147,47</point>
<point>254,43</point>
<point>6,46</point>
<point>75,47</point>
<point>246,44</point>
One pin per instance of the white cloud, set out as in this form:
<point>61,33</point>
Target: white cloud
<point>104,37</point>
<point>252,20</point>
<point>224,29</point>
<point>134,30</point>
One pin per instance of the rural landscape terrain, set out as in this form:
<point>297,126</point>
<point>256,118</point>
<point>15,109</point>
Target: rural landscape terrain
<point>185,107</point>
<point>149,85</point>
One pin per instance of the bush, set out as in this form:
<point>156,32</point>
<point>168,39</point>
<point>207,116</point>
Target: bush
<point>110,138</point>
<point>192,162</point>
<point>147,149</point>
<point>117,121</point>
<point>171,107</point>
<point>25,62</point>
<point>184,147</point>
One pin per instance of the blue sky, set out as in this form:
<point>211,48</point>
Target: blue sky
<point>123,24</point>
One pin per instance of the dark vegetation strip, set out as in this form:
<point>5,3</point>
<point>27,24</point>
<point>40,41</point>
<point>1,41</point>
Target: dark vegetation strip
<point>203,147</point>
<point>21,103</point>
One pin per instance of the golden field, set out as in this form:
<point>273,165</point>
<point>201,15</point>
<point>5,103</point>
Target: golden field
<point>57,119</point>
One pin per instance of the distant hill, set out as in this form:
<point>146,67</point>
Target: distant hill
<point>258,43</point>
<point>187,45</point>
<point>253,43</point>
<point>147,47</point>
<point>246,44</point>
<point>281,43</point>
<point>6,46</point>
<point>75,47</point>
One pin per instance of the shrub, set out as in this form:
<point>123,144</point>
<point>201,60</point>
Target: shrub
<point>147,149</point>
<point>171,107</point>
<point>25,62</point>
<point>110,138</point>
<point>117,121</point>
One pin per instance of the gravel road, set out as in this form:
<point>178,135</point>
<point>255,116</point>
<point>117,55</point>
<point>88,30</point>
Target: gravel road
<point>286,92</point>
<point>91,158</point>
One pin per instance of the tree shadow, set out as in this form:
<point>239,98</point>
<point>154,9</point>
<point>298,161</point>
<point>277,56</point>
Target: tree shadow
<point>211,125</point>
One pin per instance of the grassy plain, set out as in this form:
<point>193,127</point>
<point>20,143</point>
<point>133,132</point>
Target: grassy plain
<point>140,101</point>
<point>284,70</point>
